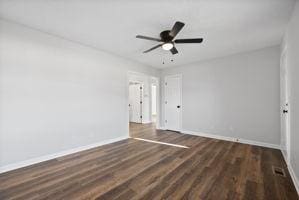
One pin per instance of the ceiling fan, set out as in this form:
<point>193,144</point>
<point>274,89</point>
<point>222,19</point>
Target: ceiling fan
<point>167,39</point>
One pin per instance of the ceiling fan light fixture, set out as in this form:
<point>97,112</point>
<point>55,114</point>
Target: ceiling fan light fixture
<point>167,41</point>
<point>167,46</point>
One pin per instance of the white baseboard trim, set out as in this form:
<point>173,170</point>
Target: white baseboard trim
<point>284,156</point>
<point>292,173</point>
<point>294,178</point>
<point>161,128</point>
<point>231,139</point>
<point>32,161</point>
<point>146,122</point>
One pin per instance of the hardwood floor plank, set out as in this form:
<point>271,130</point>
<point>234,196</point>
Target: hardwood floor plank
<point>133,169</point>
<point>197,160</point>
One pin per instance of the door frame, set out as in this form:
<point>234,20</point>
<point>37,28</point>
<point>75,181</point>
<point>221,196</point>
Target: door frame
<point>180,76</point>
<point>156,84</point>
<point>287,92</point>
<point>158,100</point>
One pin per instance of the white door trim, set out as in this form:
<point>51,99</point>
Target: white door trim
<point>181,100</point>
<point>158,103</point>
<point>287,131</point>
<point>133,73</point>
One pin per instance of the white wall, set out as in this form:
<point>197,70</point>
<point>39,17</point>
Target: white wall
<point>57,95</point>
<point>235,96</point>
<point>292,54</point>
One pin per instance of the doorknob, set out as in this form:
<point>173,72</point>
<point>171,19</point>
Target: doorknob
<point>285,111</point>
<point>178,106</point>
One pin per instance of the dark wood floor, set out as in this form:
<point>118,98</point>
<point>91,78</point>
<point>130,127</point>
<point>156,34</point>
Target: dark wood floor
<point>134,169</point>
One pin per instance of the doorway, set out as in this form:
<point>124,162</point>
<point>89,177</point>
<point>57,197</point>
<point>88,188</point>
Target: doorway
<point>285,108</point>
<point>173,102</point>
<point>143,100</point>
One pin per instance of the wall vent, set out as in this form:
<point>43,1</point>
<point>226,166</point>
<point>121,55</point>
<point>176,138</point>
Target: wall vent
<point>278,171</point>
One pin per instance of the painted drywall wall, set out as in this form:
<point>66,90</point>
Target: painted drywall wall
<point>291,43</point>
<point>57,95</point>
<point>235,96</point>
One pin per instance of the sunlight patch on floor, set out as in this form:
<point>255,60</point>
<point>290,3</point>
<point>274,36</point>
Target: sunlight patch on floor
<point>158,142</point>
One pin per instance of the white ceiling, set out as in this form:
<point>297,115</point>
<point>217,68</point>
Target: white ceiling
<point>227,26</point>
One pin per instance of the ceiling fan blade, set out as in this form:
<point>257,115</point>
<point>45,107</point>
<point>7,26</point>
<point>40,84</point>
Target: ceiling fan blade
<point>174,50</point>
<point>177,27</point>
<point>155,47</point>
<point>148,38</point>
<point>191,40</point>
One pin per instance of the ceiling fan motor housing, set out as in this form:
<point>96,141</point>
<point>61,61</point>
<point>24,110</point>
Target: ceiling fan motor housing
<point>165,36</point>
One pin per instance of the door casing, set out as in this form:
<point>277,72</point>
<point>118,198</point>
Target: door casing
<point>180,102</point>
<point>284,105</point>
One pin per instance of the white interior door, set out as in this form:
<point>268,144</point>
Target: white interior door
<point>173,102</point>
<point>285,125</point>
<point>135,99</point>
